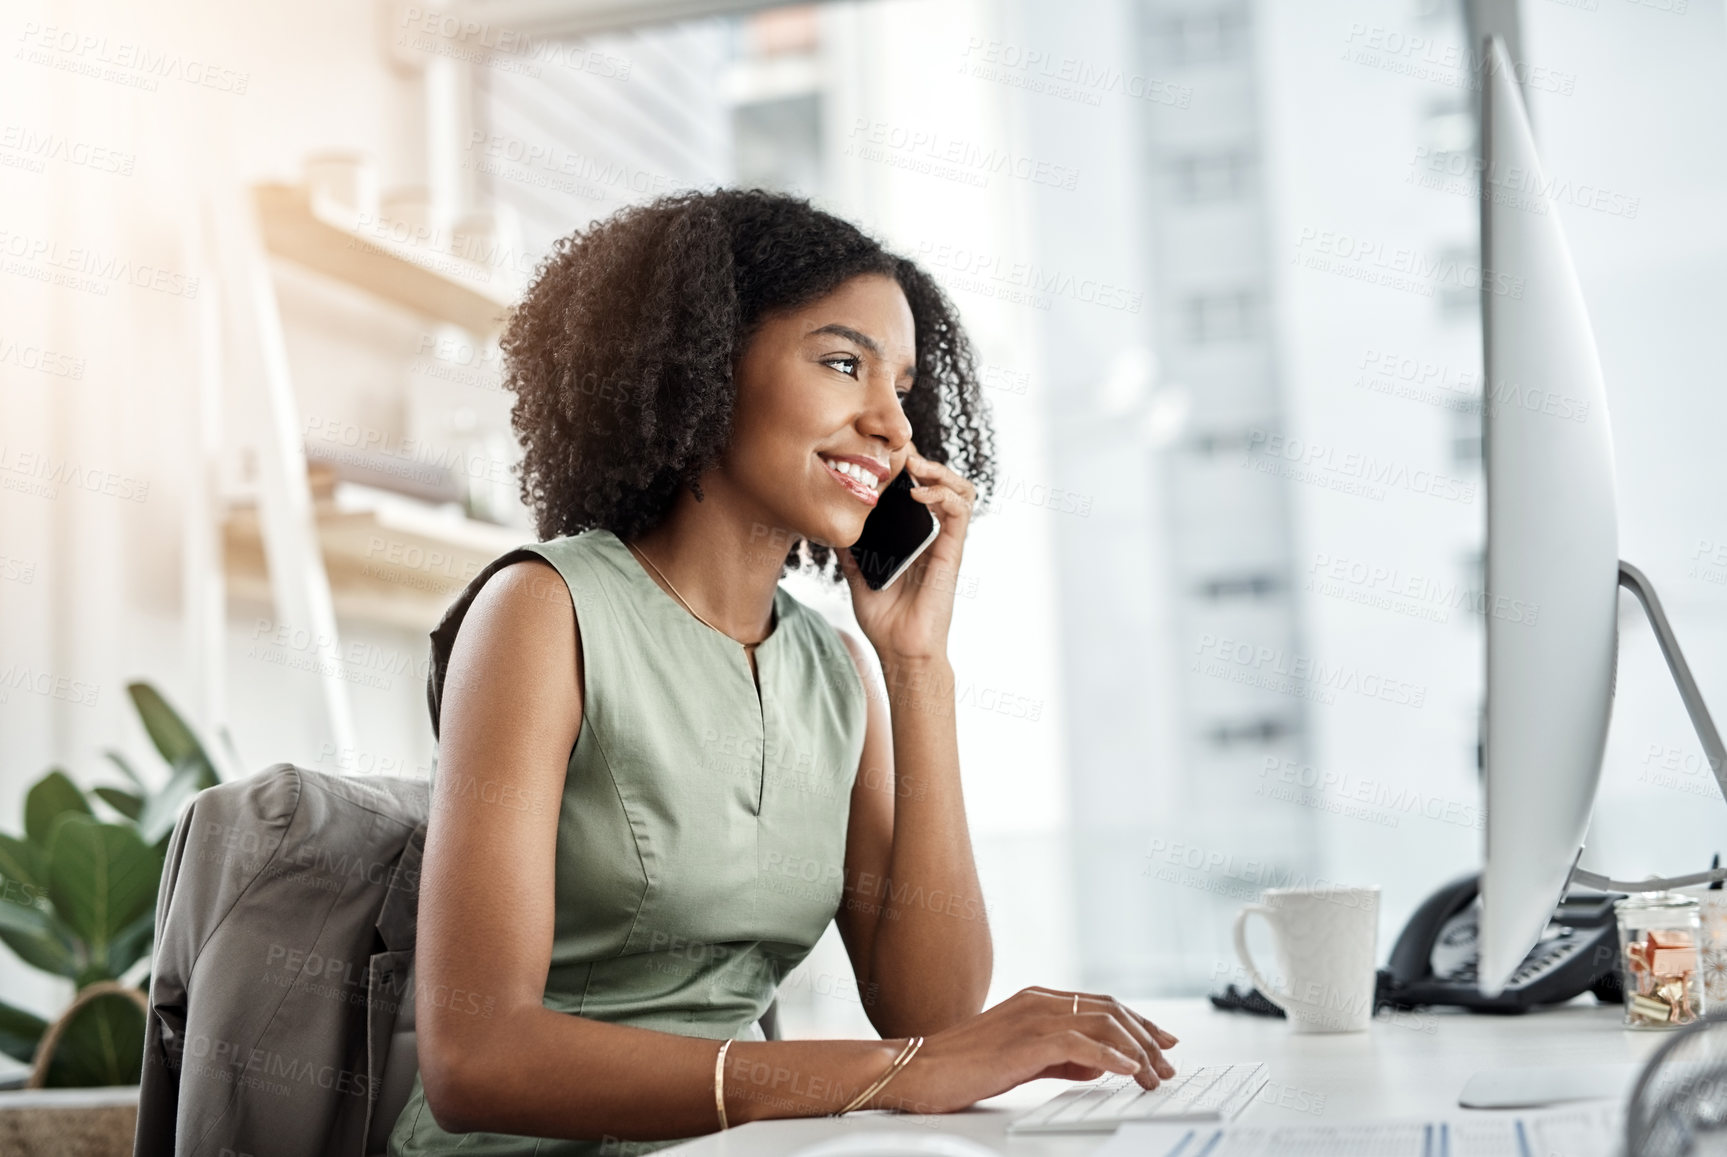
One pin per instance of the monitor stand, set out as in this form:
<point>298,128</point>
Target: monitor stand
<point>1638,584</point>
<point>1556,1084</point>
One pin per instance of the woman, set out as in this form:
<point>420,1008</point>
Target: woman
<point>660,775</point>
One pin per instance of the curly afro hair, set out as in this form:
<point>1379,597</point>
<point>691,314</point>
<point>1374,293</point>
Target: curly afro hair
<point>621,353</point>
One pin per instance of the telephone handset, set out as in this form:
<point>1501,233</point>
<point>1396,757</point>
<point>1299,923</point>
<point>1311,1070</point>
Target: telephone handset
<point>1434,961</point>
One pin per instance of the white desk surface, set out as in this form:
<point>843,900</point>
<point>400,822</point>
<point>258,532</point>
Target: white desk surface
<point>1407,1064</point>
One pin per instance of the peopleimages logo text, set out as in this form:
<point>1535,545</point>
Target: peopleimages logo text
<point>1355,465</point>
<point>1029,276</point>
<point>1396,798</point>
<point>1444,269</point>
<point>1306,673</point>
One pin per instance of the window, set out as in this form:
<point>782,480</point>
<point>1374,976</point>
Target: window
<point>1218,176</point>
<point>777,144</point>
<point>1460,276</point>
<point>1466,437</point>
<point>1227,442</point>
<point>1220,317</point>
<point>1198,36</point>
<point>1253,585</point>
<point>1257,731</point>
<point>1474,567</point>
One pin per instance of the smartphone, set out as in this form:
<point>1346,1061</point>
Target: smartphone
<point>895,533</point>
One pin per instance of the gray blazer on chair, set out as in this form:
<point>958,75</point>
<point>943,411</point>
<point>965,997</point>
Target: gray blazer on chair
<point>284,949</point>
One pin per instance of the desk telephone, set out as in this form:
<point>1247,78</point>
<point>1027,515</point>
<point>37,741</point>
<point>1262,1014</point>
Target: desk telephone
<point>1434,960</point>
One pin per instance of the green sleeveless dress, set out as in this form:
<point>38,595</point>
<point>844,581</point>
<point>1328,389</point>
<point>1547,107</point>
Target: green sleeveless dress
<point>701,831</point>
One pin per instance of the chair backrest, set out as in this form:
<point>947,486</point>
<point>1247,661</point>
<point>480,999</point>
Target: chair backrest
<point>274,1012</point>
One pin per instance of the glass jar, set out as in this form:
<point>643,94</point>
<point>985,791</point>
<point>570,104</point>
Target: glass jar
<point>1659,957</point>
<point>1714,942</point>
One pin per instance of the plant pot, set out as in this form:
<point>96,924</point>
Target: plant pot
<point>69,1122</point>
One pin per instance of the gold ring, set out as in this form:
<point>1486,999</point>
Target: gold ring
<point>1076,1004</point>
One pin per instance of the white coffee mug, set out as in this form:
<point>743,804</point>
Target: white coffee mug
<point>1326,941</point>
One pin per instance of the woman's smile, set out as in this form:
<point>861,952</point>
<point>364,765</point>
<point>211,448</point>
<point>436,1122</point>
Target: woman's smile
<point>862,476</point>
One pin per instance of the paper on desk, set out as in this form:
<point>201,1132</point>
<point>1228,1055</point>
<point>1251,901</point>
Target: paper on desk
<point>1582,1131</point>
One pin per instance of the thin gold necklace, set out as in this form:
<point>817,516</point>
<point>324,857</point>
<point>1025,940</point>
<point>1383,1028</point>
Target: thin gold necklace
<point>643,555</point>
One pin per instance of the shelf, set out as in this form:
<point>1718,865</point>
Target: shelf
<point>439,285</point>
<point>394,565</point>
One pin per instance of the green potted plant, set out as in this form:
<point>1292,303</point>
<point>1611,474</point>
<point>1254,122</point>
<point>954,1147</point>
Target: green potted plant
<point>78,900</point>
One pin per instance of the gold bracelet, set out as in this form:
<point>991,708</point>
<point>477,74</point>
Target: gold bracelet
<point>893,1070</point>
<point>912,1044</point>
<point>904,1052</point>
<point>720,1083</point>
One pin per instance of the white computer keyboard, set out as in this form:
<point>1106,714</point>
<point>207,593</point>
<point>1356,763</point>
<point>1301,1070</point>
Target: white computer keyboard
<point>1205,1093</point>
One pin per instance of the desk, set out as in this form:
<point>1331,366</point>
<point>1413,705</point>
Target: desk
<point>1407,1064</point>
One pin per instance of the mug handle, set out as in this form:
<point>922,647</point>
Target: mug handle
<point>1246,956</point>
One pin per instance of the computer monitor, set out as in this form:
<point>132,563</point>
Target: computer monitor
<point>1552,544</point>
<point>1552,560</point>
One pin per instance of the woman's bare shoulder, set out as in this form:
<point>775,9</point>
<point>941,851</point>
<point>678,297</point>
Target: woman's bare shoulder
<point>529,587</point>
<point>519,644</point>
